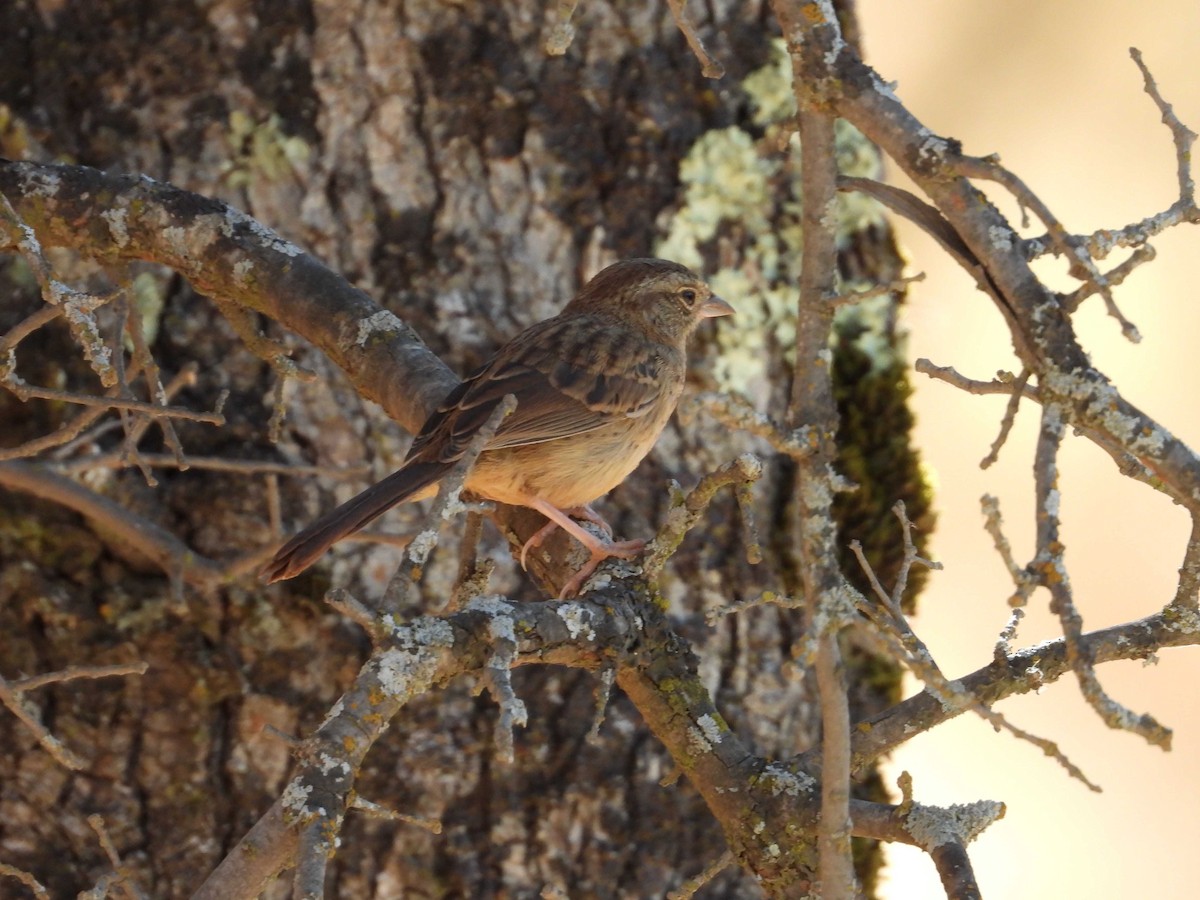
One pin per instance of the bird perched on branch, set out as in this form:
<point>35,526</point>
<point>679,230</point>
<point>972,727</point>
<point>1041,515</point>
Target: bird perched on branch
<point>594,387</point>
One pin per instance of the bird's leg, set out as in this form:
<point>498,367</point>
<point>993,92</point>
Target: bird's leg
<point>601,549</point>
<point>584,512</point>
<point>588,514</point>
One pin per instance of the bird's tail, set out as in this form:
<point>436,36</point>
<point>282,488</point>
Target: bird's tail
<point>309,545</point>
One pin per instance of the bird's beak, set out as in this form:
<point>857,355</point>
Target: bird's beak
<point>714,306</point>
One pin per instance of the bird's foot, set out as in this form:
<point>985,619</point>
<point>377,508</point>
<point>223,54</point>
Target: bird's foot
<point>601,550</point>
<point>536,540</point>
<point>588,514</point>
<point>584,512</point>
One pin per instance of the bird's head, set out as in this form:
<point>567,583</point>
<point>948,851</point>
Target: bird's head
<point>665,299</point>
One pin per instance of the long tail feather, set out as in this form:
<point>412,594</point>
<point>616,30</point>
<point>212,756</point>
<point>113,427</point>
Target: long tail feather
<point>310,544</point>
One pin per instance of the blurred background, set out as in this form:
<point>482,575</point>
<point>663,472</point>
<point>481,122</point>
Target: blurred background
<point>1052,89</point>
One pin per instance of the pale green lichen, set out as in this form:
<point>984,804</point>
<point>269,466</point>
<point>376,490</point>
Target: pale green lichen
<point>932,826</point>
<point>261,150</point>
<point>751,186</point>
<point>382,322</point>
<point>783,781</point>
<point>118,225</point>
<point>577,618</point>
<point>149,296</point>
<point>711,728</point>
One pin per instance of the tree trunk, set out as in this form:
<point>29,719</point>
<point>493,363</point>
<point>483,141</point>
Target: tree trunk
<point>437,156</point>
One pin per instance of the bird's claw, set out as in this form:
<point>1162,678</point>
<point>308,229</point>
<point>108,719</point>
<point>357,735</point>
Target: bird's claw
<point>600,552</point>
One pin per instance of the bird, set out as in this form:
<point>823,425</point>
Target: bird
<point>594,385</point>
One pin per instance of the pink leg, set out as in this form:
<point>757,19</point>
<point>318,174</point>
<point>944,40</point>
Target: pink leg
<point>584,512</point>
<point>599,548</point>
<point>588,514</point>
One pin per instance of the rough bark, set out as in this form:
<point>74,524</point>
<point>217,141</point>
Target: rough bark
<point>436,156</point>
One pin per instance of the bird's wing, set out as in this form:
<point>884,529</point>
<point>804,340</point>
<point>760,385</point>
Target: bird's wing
<point>567,379</point>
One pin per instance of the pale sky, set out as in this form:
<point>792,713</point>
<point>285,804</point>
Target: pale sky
<point>1051,88</point>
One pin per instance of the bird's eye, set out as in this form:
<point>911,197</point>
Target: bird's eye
<point>688,296</point>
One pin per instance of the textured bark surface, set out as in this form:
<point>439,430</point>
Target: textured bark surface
<point>436,156</point>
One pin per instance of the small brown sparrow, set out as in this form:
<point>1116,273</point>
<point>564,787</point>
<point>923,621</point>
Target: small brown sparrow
<point>594,387</point>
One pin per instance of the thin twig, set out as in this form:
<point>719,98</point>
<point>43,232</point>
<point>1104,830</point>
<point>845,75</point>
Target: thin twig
<point>153,541</point>
<point>734,411</point>
<point>27,326</point>
<point>1186,594</point>
<point>375,811</point>
<point>1051,570</point>
<point>689,888</point>
<point>403,582</point>
<point>25,392</point>
<point>15,701</point>
<point>687,511</point>
<point>1141,255</point>
<point>38,889</point>
<point>473,572</point>
<point>1127,464</point>
<point>993,524</point>
<point>559,30</point>
<point>1005,384</point>
<point>213,464</point>
<point>896,286</point>
<point>709,67</point>
<point>1006,424</point>
<point>1080,262</point>
<point>72,673</point>
<point>1182,136</point>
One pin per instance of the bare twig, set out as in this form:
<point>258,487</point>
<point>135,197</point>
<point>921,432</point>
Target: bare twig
<point>60,436</point>
<point>942,832</point>
<point>901,643</point>
<point>734,411</point>
<point>78,307</point>
<point>686,511</point>
<point>1023,581</point>
<point>156,543</point>
<point>395,598</point>
<point>16,703</point>
<point>38,889</point>
<point>1005,383</point>
<point>212,464</point>
<point>1006,424</point>
<point>473,572</point>
<point>1080,262</point>
<point>12,695</point>
<point>71,673</point>
<point>1141,254</point>
<point>812,402</point>
<point>766,598</point>
<point>1051,570</point>
<point>604,686</point>
<point>1026,670</point>
<point>1186,594</point>
<point>954,869</point>
<point>375,811</point>
<point>1128,464</point>
<point>1183,136</point>
<point>559,31</point>
<point>897,286</point>
<point>709,67</point>
<point>29,392</point>
<point>688,889</point>
<point>31,323</point>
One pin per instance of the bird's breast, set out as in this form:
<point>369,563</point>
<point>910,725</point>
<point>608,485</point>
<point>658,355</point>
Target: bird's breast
<point>570,471</point>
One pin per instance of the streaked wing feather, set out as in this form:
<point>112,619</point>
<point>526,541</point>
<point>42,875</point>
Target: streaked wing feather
<point>557,397</point>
